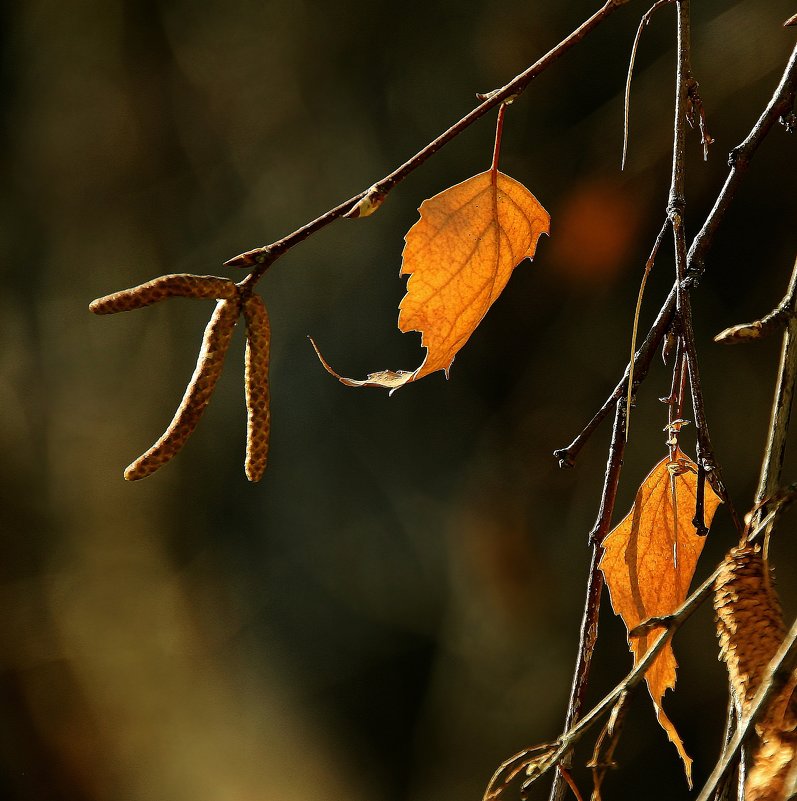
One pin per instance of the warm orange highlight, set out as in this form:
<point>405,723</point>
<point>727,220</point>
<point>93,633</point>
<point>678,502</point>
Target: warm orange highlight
<point>459,257</point>
<point>648,564</point>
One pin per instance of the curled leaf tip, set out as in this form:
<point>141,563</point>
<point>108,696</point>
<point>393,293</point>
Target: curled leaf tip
<point>384,379</point>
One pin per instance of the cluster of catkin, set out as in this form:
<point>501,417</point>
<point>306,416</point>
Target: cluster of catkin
<point>231,301</point>
<point>750,628</point>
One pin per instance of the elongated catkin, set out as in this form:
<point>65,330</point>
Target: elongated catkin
<point>750,628</point>
<point>749,620</point>
<point>182,285</point>
<point>215,343</point>
<point>258,408</point>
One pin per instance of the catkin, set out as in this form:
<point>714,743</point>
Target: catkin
<point>750,628</point>
<point>749,620</point>
<point>258,425</point>
<point>182,285</point>
<point>197,395</point>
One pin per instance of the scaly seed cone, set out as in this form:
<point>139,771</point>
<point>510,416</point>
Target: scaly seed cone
<point>258,345</point>
<point>179,285</point>
<point>197,395</point>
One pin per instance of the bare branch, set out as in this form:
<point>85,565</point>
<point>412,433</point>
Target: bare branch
<point>780,104</point>
<point>261,258</point>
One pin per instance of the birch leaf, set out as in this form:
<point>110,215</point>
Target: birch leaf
<point>649,560</point>
<point>459,257</point>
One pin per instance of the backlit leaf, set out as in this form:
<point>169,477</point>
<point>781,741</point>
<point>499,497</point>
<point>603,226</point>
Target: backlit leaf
<point>649,560</point>
<point>459,257</point>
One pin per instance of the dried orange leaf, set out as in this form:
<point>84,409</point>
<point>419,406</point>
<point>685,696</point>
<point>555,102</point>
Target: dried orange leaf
<point>459,257</point>
<point>648,562</point>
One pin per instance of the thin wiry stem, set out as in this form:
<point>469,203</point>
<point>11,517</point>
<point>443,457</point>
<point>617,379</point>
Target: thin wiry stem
<point>780,105</point>
<point>772,464</point>
<point>643,23</point>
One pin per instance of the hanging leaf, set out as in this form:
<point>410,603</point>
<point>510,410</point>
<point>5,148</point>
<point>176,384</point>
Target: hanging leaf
<point>459,257</point>
<point>649,560</point>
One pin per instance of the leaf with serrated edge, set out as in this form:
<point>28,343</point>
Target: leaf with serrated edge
<point>459,257</point>
<point>648,566</point>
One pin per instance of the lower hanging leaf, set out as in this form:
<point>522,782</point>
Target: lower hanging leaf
<point>648,562</point>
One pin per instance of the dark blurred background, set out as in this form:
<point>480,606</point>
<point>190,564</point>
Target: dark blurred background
<point>395,608</point>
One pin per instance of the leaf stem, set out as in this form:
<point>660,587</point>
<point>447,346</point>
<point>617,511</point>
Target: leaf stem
<point>499,131</point>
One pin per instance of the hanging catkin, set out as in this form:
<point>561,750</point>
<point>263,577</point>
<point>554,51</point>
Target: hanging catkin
<point>197,395</point>
<point>178,285</point>
<point>258,426</point>
<point>750,629</point>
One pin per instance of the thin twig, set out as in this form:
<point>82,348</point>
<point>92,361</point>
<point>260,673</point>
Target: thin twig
<point>648,267</point>
<point>550,754</point>
<point>263,257</point>
<point>772,323</point>
<point>734,779</point>
<point>643,23</point>
<point>772,464</point>
<point>589,622</point>
<point>780,104</point>
<point>642,361</point>
<point>603,754</point>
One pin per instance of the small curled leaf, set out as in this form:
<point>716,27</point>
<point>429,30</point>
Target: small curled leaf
<point>258,426</point>
<point>177,285</point>
<point>215,343</point>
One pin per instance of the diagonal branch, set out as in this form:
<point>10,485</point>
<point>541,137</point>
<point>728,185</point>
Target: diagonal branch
<point>779,107</point>
<point>772,464</point>
<point>367,201</point>
<point>588,635</point>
